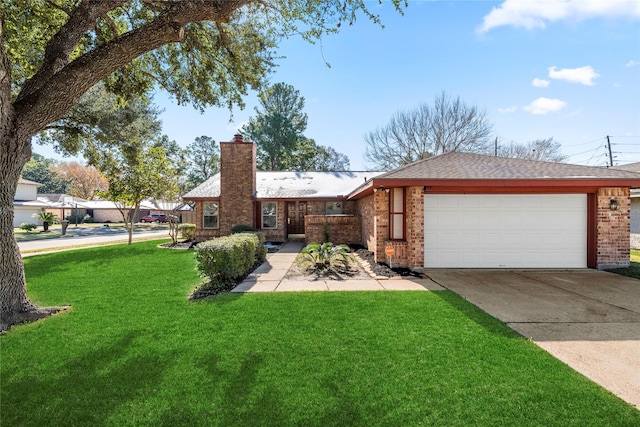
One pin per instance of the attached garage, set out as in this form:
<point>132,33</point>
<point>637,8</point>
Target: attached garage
<point>466,210</point>
<point>505,231</point>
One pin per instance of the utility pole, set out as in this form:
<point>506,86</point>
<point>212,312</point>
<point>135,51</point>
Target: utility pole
<point>495,151</point>
<point>610,154</point>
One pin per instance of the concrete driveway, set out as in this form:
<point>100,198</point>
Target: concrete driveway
<point>588,319</point>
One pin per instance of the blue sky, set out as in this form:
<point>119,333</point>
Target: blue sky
<point>563,69</point>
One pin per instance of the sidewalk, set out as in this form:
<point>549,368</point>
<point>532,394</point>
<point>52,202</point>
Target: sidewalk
<point>38,247</point>
<point>270,277</point>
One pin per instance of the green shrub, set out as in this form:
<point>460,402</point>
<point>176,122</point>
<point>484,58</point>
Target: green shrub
<point>28,227</point>
<point>46,217</point>
<point>327,257</point>
<point>242,228</point>
<point>225,259</point>
<point>80,219</point>
<point>261,250</point>
<point>187,231</point>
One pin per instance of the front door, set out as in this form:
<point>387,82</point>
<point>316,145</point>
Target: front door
<point>295,217</point>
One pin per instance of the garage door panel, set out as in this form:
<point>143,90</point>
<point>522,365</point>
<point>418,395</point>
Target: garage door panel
<point>506,231</point>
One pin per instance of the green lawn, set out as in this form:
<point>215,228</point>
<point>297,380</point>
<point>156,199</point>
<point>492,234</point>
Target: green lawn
<point>134,351</point>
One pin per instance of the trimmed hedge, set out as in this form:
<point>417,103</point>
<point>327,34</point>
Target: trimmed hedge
<point>187,231</point>
<point>242,228</point>
<point>225,259</point>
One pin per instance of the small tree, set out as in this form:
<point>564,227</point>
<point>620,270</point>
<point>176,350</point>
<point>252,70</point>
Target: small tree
<point>47,219</point>
<point>148,173</point>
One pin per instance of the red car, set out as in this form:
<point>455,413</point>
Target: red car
<point>154,218</point>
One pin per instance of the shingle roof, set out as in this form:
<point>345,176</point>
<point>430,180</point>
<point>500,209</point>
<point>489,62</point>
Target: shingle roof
<point>456,166</point>
<point>287,185</point>
<point>633,167</point>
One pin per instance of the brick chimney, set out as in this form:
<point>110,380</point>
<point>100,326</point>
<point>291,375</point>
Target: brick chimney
<point>237,183</point>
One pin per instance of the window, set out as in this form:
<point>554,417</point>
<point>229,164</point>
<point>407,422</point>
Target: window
<point>210,215</point>
<point>333,208</point>
<point>269,215</point>
<point>396,213</point>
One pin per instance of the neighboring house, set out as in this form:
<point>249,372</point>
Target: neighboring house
<point>635,206</point>
<point>63,205</point>
<point>107,211</point>
<point>25,203</point>
<point>455,210</point>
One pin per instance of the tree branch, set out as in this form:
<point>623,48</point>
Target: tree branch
<point>62,44</point>
<point>45,104</point>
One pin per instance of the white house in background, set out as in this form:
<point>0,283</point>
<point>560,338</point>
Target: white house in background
<point>26,203</point>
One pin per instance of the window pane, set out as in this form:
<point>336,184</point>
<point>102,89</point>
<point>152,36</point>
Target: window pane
<point>269,215</point>
<point>398,198</point>
<point>398,226</point>
<point>333,208</point>
<point>210,215</point>
<point>210,222</point>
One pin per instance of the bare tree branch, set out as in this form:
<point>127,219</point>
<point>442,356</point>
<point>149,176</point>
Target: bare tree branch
<point>450,125</point>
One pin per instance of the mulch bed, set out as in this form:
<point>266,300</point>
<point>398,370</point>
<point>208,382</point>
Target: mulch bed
<point>380,269</point>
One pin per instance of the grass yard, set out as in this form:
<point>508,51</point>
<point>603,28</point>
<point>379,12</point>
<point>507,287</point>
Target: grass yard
<point>634,268</point>
<point>134,351</point>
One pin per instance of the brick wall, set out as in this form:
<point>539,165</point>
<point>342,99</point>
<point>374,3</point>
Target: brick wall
<point>613,228</point>
<point>415,226</point>
<point>237,183</point>
<point>203,233</point>
<point>345,229</point>
<point>365,209</point>
<point>380,225</point>
<point>400,257</point>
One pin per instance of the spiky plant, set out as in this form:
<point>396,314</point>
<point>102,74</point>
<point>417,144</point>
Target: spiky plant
<point>327,257</point>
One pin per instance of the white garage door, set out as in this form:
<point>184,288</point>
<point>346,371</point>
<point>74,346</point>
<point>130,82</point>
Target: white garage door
<point>21,215</point>
<point>505,231</point>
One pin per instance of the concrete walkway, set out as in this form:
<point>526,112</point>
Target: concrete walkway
<point>270,277</point>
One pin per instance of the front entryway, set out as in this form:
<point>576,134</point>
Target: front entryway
<point>296,212</point>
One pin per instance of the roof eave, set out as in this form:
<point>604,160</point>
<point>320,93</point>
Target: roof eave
<point>579,183</point>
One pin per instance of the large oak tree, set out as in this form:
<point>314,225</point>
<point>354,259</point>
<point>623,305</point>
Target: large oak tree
<point>204,52</point>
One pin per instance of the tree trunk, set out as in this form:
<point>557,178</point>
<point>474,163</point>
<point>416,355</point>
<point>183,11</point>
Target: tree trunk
<point>14,154</point>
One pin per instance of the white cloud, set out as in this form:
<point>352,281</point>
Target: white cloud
<point>632,63</point>
<point>583,75</point>
<point>545,105</point>
<point>540,82</point>
<point>532,14</point>
<point>508,109</point>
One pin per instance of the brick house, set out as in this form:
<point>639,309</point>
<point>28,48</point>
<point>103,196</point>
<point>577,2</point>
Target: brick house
<point>455,210</point>
<point>282,205</point>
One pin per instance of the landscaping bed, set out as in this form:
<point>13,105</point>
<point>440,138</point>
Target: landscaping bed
<point>380,269</point>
